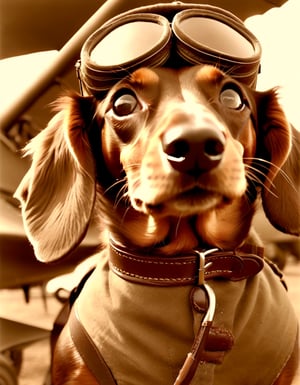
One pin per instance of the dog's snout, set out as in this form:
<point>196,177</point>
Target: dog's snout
<point>192,150</point>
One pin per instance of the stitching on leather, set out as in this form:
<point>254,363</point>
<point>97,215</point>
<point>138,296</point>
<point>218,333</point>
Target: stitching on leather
<point>217,271</point>
<point>184,279</point>
<point>155,262</point>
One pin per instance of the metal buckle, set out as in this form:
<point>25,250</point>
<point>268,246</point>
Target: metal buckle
<point>77,69</point>
<point>201,282</point>
<point>189,367</point>
<point>202,265</point>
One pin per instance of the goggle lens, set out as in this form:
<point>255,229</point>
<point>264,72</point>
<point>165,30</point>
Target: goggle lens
<point>212,34</point>
<point>131,42</point>
<point>201,35</point>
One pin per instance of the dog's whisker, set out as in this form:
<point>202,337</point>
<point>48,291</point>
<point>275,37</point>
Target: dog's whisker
<point>267,163</point>
<point>121,196</point>
<point>284,175</point>
<point>125,214</point>
<point>252,175</point>
<point>122,191</point>
<point>210,101</point>
<point>253,179</point>
<point>263,163</point>
<point>177,225</point>
<point>231,70</point>
<point>115,184</point>
<point>257,172</point>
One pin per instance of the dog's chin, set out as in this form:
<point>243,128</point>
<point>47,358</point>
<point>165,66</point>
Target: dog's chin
<point>188,203</point>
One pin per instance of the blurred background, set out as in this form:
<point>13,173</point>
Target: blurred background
<point>36,67</point>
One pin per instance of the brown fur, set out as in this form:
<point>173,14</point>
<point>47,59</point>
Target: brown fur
<point>93,160</point>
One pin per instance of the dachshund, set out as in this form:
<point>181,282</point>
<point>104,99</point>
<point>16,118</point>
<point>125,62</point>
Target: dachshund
<point>172,164</point>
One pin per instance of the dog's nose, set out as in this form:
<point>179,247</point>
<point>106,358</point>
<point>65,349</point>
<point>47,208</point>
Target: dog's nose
<point>191,150</point>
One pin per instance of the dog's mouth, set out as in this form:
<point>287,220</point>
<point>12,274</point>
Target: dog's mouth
<point>189,202</point>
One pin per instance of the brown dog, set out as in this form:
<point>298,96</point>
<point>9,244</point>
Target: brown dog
<point>173,162</point>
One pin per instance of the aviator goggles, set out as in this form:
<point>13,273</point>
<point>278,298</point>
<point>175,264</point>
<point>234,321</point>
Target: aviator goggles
<point>170,35</point>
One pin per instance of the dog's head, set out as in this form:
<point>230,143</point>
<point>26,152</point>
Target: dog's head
<point>169,158</point>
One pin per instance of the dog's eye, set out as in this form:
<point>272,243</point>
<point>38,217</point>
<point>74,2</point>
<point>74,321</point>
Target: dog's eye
<point>231,98</point>
<point>125,104</point>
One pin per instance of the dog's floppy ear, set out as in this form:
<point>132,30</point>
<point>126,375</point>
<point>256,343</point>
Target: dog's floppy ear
<point>281,143</point>
<point>282,202</point>
<point>58,192</point>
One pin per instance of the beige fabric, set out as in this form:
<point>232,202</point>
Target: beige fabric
<point>145,332</point>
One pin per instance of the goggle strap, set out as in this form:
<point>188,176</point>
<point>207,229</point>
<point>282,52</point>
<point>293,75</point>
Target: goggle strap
<point>80,82</point>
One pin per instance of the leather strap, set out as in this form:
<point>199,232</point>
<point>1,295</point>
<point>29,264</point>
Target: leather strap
<point>210,345</point>
<point>88,351</point>
<point>183,270</point>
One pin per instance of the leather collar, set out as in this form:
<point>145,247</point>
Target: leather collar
<point>188,269</point>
